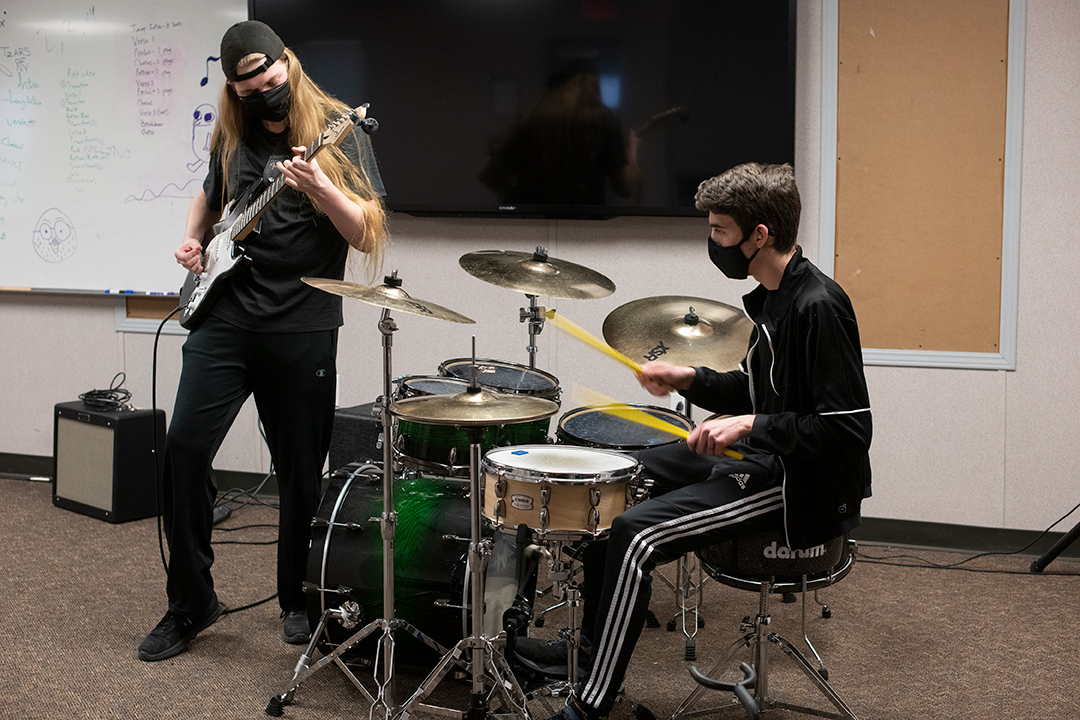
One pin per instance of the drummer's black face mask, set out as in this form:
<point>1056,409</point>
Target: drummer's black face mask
<point>730,259</point>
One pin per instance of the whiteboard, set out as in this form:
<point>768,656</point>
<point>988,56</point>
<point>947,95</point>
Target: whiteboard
<point>104,137</point>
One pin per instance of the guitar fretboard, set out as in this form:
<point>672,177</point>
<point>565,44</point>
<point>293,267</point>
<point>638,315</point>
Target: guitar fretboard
<point>257,205</point>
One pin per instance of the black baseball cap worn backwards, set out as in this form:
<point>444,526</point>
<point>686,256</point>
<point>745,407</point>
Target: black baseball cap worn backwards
<point>247,38</point>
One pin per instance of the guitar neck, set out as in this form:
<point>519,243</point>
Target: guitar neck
<point>332,136</point>
<point>258,204</point>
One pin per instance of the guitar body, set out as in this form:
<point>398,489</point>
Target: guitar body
<point>223,256</point>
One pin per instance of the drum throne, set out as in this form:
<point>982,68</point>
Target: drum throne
<point>763,563</point>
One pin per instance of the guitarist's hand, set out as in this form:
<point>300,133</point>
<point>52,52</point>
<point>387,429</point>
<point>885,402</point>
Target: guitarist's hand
<point>304,175</point>
<point>189,254</point>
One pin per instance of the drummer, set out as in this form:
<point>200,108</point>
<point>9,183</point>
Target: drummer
<point>797,409</point>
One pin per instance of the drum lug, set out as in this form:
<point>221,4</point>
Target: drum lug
<point>545,500</point>
<point>500,508</point>
<point>500,488</point>
<point>594,495</point>
<point>594,519</point>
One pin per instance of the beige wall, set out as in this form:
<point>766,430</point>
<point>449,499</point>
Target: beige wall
<point>985,448</point>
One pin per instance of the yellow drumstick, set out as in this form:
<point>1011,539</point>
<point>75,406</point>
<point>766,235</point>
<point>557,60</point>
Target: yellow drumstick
<point>580,333</point>
<point>633,414</point>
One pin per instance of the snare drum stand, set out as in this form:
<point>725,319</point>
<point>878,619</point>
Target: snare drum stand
<point>566,590</point>
<point>476,653</point>
<point>349,613</point>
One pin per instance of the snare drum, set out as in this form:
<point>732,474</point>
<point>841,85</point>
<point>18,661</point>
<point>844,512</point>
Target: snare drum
<point>510,379</point>
<point>435,449</point>
<point>557,490</point>
<point>590,426</point>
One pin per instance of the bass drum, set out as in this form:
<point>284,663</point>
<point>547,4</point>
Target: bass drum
<point>430,553</point>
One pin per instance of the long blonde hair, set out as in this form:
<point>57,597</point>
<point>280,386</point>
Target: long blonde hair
<point>311,109</point>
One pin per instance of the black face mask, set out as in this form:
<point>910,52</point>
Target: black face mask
<point>731,260</point>
<point>271,105</point>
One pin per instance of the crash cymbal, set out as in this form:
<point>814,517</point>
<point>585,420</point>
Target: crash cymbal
<point>476,407</point>
<point>386,296</point>
<point>536,274</point>
<point>680,330</point>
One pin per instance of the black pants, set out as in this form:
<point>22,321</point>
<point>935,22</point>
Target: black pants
<point>695,502</point>
<point>293,378</point>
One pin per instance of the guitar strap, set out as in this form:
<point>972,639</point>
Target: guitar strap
<point>269,174</point>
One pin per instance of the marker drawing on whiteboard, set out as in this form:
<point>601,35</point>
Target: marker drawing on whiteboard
<point>54,236</point>
<point>206,79</point>
<point>172,190</point>
<point>202,130</point>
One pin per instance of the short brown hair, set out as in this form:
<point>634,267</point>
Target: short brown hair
<point>754,194</point>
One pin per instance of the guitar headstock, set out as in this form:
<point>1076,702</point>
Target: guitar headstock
<point>335,132</point>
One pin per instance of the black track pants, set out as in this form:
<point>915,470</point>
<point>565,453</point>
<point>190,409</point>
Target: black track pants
<point>695,502</point>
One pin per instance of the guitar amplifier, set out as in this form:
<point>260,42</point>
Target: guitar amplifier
<point>104,461</point>
<point>355,436</point>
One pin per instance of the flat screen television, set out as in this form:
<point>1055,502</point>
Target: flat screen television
<point>533,108</point>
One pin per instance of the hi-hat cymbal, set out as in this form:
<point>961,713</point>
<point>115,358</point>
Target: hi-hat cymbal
<point>680,330</point>
<point>476,407</point>
<point>536,274</point>
<point>386,296</point>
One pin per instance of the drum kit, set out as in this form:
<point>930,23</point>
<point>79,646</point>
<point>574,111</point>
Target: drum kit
<point>481,427</point>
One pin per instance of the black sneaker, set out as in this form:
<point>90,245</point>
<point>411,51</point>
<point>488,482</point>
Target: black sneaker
<point>174,633</point>
<point>295,628</point>
<point>549,657</point>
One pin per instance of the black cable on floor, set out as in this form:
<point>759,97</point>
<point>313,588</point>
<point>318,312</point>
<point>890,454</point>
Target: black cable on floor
<point>924,563</point>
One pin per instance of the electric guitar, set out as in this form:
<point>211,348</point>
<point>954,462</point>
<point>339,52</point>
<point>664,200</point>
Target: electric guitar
<point>223,256</point>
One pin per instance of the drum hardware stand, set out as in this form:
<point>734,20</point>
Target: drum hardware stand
<point>476,653</point>
<point>565,589</point>
<point>349,613</point>
<point>1048,557</point>
<point>562,575</point>
<point>534,315</point>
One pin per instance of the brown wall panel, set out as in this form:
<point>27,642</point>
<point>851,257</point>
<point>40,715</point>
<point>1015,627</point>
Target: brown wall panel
<point>920,167</point>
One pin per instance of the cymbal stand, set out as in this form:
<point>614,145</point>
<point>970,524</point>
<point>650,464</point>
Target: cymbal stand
<point>476,653</point>
<point>534,315</point>
<point>349,613</point>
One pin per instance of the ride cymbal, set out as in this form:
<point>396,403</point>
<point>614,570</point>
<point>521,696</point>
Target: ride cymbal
<point>680,330</point>
<point>390,297</point>
<point>476,407</point>
<point>536,274</point>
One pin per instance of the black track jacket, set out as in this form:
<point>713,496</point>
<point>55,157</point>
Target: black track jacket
<point>803,379</point>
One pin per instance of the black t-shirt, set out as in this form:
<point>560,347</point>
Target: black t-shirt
<point>290,241</point>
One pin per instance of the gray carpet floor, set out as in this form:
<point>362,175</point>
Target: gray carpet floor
<point>78,595</point>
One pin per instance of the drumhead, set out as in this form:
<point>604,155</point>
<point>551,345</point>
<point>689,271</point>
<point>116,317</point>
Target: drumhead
<point>539,463</point>
<point>415,385</point>
<point>503,376</point>
<point>593,427</point>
